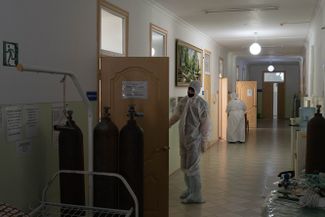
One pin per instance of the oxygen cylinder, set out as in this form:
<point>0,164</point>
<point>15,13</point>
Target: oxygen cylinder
<point>131,161</point>
<point>105,160</point>
<point>72,188</point>
<point>315,160</point>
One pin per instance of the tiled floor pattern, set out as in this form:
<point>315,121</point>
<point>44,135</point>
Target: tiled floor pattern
<point>237,177</point>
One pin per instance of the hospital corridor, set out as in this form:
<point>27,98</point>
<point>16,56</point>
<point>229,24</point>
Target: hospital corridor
<point>162,108</point>
<point>237,177</point>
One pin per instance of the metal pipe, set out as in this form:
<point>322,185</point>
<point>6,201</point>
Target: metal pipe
<point>85,100</point>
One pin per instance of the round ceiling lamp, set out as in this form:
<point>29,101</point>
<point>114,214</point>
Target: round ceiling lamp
<point>270,68</point>
<point>255,48</point>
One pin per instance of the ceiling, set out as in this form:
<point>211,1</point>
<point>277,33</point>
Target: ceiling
<point>280,26</point>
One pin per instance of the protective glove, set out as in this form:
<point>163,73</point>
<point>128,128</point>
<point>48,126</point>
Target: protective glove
<point>204,146</point>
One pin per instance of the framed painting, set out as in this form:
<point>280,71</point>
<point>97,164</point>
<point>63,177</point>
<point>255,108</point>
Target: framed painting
<point>188,63</point>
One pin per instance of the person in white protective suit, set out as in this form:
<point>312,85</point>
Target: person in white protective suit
<point>236,119</point>
<point>192,111</point>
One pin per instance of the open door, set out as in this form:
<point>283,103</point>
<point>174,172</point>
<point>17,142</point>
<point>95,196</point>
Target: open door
<point>223,102</point>
<point>143,82</point>
<point>247,92</point>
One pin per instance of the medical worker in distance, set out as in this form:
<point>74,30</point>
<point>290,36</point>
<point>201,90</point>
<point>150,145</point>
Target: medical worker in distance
<point>236,119</point>
<point>192,111</point>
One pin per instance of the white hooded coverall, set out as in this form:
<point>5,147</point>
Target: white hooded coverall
<point>193,133</point>
<point>236,119</point>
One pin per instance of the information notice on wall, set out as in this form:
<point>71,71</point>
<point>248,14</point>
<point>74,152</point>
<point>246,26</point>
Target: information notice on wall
<point>14,123</point>
<point>32,113</point>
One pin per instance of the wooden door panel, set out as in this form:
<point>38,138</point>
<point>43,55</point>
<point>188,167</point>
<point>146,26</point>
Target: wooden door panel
<point>152,185</point>
<point>207,88</point>
<point>267,109</point>
<point>223,102</point>
<point>154,73</point>
<point>247,91</point>
<point>281,100</point>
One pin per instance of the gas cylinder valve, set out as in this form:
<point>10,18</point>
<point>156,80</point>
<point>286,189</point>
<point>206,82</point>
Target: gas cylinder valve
<point>107,114</point>
<point>132,113</point>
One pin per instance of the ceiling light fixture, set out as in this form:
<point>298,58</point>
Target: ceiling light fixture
<point>255,48</point>
<point>270,68</point>
<point>244,9</point>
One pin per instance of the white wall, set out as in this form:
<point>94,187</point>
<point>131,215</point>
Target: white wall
<point>50,34</point>
<point>255,73</point>
<point>242,69</point>
<point>231,72</point>
<point>144,12</point>
<point>315,50</point>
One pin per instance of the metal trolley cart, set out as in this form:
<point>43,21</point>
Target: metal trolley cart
<point>55,209</point>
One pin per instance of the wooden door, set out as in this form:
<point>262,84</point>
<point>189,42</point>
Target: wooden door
<point>207,88</point>
<point>223,102</point>
<point>143,82</point>
<point>247,92</point>
<point>267,109</point>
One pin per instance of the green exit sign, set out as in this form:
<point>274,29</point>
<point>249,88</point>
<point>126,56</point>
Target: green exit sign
<point>10,54</point>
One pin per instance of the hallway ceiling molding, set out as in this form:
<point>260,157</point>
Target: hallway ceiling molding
<point>282,30</point>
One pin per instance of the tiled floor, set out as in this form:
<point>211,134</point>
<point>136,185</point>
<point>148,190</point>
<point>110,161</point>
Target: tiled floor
<point>237,177</point>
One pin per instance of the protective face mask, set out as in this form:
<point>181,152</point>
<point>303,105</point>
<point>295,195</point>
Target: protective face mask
<point>190,94</point>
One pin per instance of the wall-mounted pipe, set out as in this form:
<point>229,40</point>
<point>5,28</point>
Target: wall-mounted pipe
<point>85,100</point>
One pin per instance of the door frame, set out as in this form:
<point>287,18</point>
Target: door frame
<point>281,107</point>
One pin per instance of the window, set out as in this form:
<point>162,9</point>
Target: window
<point>113,26</point>
<point>274,77</point>
<point>112,37</point>
<point>158,41</point>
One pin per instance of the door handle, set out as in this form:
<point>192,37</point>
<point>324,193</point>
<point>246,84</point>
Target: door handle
<point>164,148</point>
